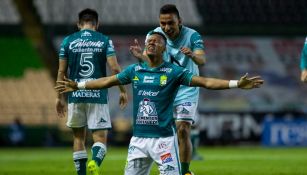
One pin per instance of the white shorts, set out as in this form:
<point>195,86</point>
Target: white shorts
<point>143,152</point>
<point>186,112</point>
<point>93,115</point>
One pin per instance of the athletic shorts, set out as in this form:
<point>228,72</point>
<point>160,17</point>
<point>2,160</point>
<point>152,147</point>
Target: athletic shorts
<point>143,152</point>
<point>186,112</point>
<point>93,115</point>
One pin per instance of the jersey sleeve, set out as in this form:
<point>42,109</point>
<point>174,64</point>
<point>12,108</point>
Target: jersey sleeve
<point>110,48</point>
<point>304,56</point>
<point>63,49</point>
<point>197,42</point>
<point>126,75</point>
<point>185,77</point>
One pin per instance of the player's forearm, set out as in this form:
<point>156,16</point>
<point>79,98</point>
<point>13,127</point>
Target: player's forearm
<point>210,83</point>
<point>115,71</point>
<point>60,77</point>
<point>100,83</point>
<point>200,60</point>
<point>141,58</point>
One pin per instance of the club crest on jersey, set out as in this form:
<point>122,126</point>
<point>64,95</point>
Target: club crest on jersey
<point>166,158</point>
<point>163,80</point>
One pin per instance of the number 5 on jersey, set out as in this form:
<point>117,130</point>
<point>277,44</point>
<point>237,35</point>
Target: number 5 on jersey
<point>86,64</point>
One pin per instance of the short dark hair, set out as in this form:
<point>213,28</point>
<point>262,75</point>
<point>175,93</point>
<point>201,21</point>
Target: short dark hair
<point>169,8</point>
<point>88,15</point>
<point>161,34</point>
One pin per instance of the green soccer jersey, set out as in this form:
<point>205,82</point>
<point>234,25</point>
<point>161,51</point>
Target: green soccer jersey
<point>304,56</point>
<point>154,91</point>
<point>86,52</point>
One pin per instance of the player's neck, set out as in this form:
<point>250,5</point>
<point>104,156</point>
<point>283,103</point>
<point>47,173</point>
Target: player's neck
<point>155,61</point>
<point>88,27</point>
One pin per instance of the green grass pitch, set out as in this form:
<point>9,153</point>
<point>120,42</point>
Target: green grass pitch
<point>218,161</point>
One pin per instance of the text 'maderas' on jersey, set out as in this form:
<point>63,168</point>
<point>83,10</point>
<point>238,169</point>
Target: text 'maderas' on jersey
<point>86,52</point>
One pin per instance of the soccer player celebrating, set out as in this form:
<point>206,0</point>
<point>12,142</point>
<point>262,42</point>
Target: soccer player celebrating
<point>185,48</point>
<point>83,57</point>
<point>304,63</point>
<point>155,83</point>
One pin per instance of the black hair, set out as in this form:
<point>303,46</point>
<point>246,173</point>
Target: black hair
<point>169,8</point>
<point>161,34</point>
<point>88,15</point>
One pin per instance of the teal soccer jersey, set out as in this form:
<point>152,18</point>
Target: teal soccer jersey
<point>154,91</point>
<point>187,38</point>
<point>86,52</point>
<point>304,56</point>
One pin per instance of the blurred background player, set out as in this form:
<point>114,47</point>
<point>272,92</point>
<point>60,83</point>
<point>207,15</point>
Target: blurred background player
<point>185,48</point>
<point>83,56</point>
<point>154,137</point>
<point>304,63</point>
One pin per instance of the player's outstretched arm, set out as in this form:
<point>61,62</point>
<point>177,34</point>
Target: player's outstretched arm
<point>218,84</point>
<point>68,85</point>
<point>304,75</point>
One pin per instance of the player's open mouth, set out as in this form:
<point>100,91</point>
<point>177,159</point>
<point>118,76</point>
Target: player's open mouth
<point>169,33</point>
<point>151,48</point>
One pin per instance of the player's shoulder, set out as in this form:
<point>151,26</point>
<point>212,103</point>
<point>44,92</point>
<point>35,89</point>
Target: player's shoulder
<point>172,67</point>
<point>135,66</point>
<point>99,34</point>
<point>189,31</point>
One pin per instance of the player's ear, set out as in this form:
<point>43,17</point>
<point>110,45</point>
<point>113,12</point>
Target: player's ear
<point>97,25</point>
<point>79,25</point>
<point>179,21</point>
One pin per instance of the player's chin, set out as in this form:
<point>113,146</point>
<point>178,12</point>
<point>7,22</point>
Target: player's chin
<point>151,55</point>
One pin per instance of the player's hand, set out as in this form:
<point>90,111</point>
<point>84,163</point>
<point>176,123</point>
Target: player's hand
<point>136,50</point>
<point>123,100</point>
<point>60,106</point>
<point>249,83</point>
<point>187,51</point>
<point>304,76</point>
<point>66,85</point>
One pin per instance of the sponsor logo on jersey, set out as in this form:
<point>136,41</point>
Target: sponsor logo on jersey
<point>166,69</point>
<point>86,94</point>
<point>186,104</point>
<point>131,149</point>
<point>85,43</point>
<point>184,111</point>
<point>147,113</point>
<point>162,147</point>
<point>166,158</point>
<point>86,33</point>
<point>199,41</point>
<point>138,67</point>
<point>163,80</point>
<point>169,168</point>
<point>111,46</point>
<point>148,93</point>
<point>135,78</point>
<point>102,120</point>
<point>148,79</point>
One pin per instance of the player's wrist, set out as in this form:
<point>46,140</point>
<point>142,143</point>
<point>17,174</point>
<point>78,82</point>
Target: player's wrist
<point>233,84</point>
<point>81,85</point>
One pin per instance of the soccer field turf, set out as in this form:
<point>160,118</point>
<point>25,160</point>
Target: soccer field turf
<point>218,161</point>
